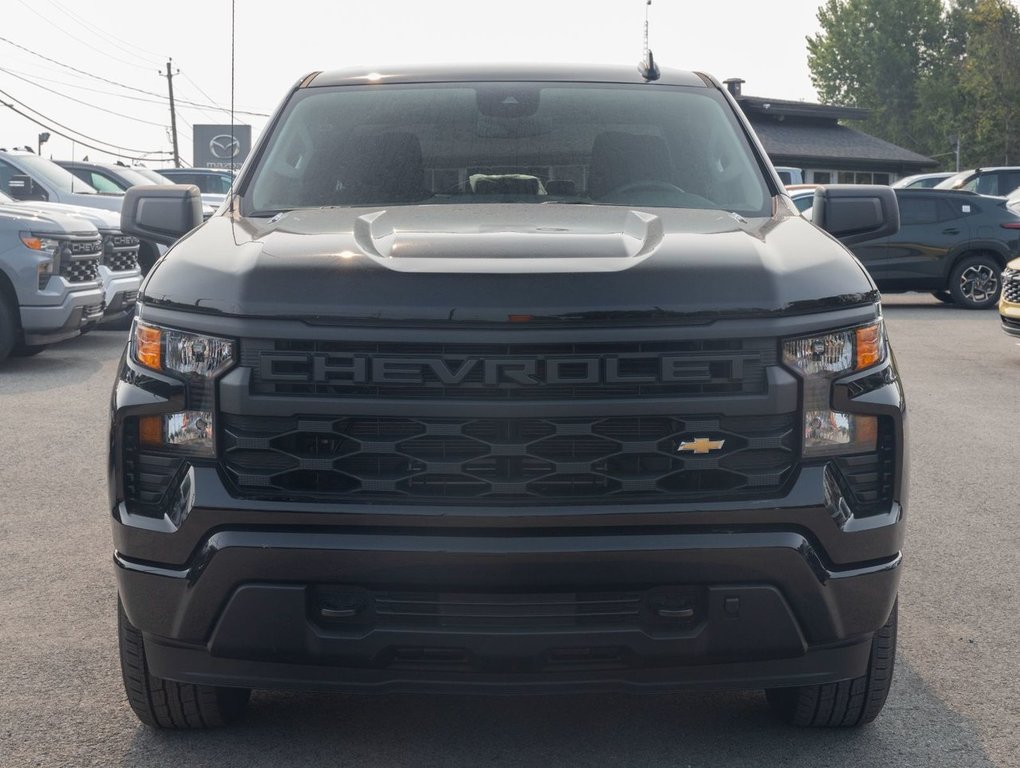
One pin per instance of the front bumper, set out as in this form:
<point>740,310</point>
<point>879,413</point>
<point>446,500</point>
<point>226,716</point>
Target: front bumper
<point>120,292</point>
<point>600,611</point>
<point>55,322</point>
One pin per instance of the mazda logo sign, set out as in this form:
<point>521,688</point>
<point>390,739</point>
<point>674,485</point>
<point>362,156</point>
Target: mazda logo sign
<point>225,146</point>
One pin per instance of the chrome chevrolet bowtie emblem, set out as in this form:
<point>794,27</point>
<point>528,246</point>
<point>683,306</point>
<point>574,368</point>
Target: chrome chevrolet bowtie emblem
<point>701,445</point>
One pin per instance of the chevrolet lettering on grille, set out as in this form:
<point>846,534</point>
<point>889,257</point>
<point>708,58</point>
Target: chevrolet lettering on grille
<point>468,371</point>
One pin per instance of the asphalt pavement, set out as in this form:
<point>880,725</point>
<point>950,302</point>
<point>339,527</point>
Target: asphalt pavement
<point>955,701</point>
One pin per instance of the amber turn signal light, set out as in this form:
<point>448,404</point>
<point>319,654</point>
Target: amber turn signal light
<point>869,346</point>
<point>148,346</point>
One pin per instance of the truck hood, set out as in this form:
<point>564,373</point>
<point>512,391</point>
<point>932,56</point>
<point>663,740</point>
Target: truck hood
<point>106,202</point>
<point>101,219</point>
<point>14,218</point>
<point>487,263</point>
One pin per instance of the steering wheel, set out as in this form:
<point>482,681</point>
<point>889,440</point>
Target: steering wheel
<point>644,185</point>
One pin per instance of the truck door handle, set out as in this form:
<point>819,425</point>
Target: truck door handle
<point>951,231</point>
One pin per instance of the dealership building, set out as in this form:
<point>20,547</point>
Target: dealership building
<point>812,137</point>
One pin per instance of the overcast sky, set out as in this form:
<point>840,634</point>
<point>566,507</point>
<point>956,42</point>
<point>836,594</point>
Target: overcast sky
<point>125,43</point>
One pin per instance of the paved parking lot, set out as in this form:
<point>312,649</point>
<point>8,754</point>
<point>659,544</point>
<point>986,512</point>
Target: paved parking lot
<point>955,702</point>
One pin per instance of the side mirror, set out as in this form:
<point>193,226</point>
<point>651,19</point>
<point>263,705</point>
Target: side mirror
<point>854,213</point>
<point>161,213</point>
<point>22,187</point>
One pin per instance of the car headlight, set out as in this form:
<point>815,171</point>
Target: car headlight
<point>48,246</point>
<point>187,431</point>
<point>820,360</point>
<point>178,352</point>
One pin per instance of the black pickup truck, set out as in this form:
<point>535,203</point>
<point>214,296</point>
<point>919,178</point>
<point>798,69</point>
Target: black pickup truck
<point>508,380</point>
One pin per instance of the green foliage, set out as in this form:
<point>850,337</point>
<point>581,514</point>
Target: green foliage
<point>926,71</point>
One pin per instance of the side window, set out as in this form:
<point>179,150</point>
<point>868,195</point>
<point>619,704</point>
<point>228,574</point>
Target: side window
<point>987,184</point>
<point>102,184</point>
<point>1012,183</point>
<point>6,172</point>
<point>951,209</point>
<point>918,210</point>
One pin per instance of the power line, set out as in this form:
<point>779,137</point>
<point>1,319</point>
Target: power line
<point>199,88</point>
<point>109,36</point>
<point>79,101</point>
<point>51,129</point>
<point>54,25</point>
<point>161,100</point>
<point>123,85</point>
<point>65,127</point>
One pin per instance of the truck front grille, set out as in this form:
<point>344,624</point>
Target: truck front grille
<point>1011,286</point>
<point>513,460</point>
<point>120,252</point>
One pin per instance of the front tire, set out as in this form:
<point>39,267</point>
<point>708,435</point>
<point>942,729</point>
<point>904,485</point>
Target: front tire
<point>975,283</point>
<point>848,703</point>
<point>8,326</point>
<point>168,704</point>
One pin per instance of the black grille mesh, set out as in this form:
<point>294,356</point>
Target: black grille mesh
<point>524,460</point>
<point>80,270</point>
<point>120,252</point>
<point>867,479</point>
<point>1011,287</point>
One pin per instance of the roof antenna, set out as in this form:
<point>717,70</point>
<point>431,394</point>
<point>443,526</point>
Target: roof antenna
<point>647,67</point>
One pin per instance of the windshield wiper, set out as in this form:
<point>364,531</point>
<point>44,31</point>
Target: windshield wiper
<point>268,213</point>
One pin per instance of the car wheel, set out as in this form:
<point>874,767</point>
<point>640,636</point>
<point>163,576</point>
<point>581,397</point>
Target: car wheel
<point>976,281</point>
<point>8,327</point>
<point>167,704</point>
<point>848,703</point>
<point>944,296</point>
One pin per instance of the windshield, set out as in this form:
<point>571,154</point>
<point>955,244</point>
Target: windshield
<point>131,176</point>
<point>5,199</point>
<point>667,146</point>
<point>151,176</point>
<point>958,181</point>
<point>59,178</point>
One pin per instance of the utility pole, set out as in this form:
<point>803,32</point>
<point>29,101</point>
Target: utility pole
<point>173,113</point>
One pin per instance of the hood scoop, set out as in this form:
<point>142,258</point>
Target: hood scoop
<point>550,239</point>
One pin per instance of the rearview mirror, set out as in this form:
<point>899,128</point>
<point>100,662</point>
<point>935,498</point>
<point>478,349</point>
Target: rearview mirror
<point>853,213</point>
<point>161,213</point>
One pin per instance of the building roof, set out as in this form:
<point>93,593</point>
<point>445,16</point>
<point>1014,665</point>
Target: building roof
<point>780,108</point>
<point>826,143</point>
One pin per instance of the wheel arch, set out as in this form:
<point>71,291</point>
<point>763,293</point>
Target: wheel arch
<point>973,249</point>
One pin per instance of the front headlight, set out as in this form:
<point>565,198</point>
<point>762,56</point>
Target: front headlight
<point>44,245</point>
<point>188,354</point>
<point>820,360</point>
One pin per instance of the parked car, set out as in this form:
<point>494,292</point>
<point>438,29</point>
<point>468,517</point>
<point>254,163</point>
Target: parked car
<point>49,279</point>
<point>922,180</point>
<point>522,379</point>
<point>26,176</point>
<point>999,181</point>
<point>953,244</point>
<point>803,195</point>
<point>106,177</point>
<point>119,178</point>
<point>790,175</point>
<point>214,180</point>
<point>119,272</point>
<point>1009,304</point>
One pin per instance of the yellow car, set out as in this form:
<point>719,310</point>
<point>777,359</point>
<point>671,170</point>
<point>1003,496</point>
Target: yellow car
<point>1009,302</point>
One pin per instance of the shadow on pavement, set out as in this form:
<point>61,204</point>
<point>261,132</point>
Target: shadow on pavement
<point>65,364</point>
<point>691,729</point>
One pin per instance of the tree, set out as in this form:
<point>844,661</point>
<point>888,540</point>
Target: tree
<point>988,81</point>
<point>876,54</point>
